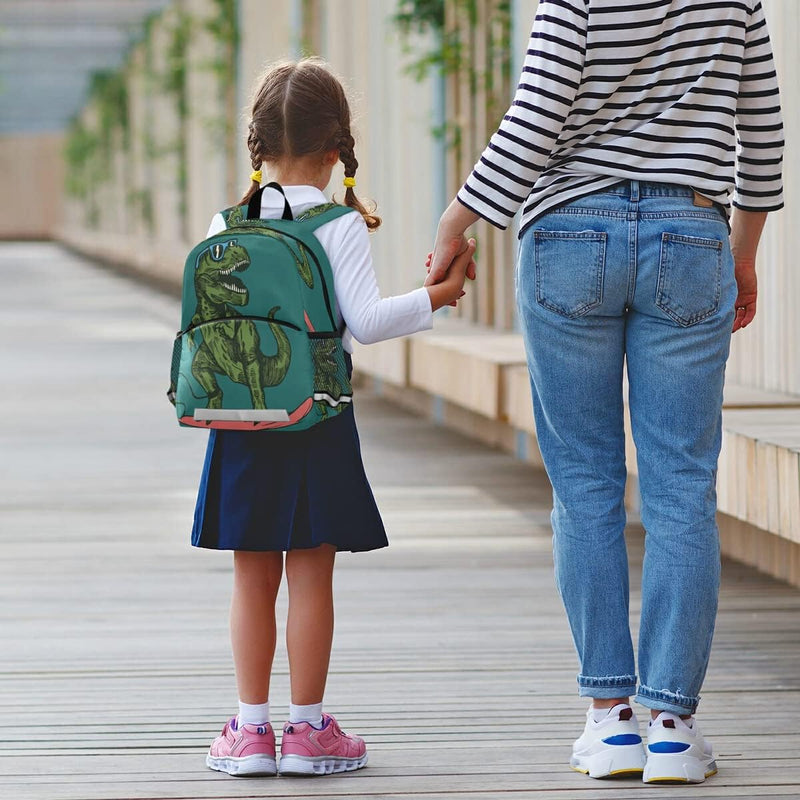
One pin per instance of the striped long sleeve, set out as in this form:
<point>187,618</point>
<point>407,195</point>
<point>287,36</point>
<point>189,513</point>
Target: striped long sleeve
<point>758,123</point>
<point>520,148</point>
<point>672,91</point>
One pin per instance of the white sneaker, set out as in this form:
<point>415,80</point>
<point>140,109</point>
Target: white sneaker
<point>612,746</point>
<point>677,751</point>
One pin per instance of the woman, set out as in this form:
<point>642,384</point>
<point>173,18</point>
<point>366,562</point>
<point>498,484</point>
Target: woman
<point>621,149</point>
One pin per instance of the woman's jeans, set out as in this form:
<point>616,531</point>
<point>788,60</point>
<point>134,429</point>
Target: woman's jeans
<point>640,273</point>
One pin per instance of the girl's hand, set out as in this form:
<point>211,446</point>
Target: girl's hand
<point>450,289</point>
<point>470,274</point>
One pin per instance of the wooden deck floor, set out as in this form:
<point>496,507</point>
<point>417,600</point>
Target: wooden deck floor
<point>451,657</point>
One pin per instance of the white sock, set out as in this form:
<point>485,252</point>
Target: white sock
<point>311,714</point>
<point>599,714</point>
<point>253,714</point>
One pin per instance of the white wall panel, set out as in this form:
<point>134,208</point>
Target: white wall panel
<point>393,118</point>
<point>767,355</point>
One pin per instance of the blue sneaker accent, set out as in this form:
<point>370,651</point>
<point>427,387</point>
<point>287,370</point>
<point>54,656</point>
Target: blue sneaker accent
<point>624,738</point>
<point>668,747</point>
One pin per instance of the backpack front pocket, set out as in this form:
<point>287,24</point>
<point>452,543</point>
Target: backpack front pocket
<point>243,373</point>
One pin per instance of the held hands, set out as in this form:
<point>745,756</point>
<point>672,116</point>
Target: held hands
<point>450,288</point>
<point>450,242</point>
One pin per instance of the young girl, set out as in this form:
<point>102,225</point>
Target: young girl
<point>265,493</point>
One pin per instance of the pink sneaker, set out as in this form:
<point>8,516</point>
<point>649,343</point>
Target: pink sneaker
<point>249,750</point>
<point>306,750</point>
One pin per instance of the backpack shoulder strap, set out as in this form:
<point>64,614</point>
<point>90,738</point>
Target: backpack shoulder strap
<point>319,215</point>
<point>311,219</point>
<point>234,215</point>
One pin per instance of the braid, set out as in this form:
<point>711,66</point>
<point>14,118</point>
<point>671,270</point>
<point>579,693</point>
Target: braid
<point>256,159</point>
<point>254,146</point>
<point>348,158</point>
<point>347,155</point>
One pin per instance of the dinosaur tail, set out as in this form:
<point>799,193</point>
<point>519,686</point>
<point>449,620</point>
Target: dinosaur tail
<point>275,367</point>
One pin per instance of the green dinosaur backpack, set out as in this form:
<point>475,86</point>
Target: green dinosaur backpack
<point>259,346</point>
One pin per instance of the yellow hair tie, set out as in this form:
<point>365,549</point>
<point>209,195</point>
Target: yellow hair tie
<point>256,176</point>
<point>349,182</point>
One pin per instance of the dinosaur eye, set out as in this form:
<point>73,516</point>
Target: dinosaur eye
<point>216,251</point>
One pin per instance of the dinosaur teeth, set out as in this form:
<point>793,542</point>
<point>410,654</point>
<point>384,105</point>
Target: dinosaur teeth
<point>236,266</point>
<point>234,288</point>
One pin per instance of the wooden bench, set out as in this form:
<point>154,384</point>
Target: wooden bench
<point>758,488</point>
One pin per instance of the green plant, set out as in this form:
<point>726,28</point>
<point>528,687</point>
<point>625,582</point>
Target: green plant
<point>90,147</point>
<point>174,78</point>
<point>428,17</point>
<point>449,50</point>
<point>174,82</point>
<point>142,201</point>
<point>80,145</point>
<point>108,92</point>
<point>223,26</point>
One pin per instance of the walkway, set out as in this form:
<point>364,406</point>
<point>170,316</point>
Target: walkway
<point>452,655</point>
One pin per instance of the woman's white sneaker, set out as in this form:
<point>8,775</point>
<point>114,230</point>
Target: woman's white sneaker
<point>677,751</point>
<point>610,747</point>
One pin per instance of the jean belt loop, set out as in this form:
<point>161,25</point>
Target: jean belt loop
<point>634,191</point>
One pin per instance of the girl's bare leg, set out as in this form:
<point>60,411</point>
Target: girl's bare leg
<point>256,579</point>
<point>309,629</point>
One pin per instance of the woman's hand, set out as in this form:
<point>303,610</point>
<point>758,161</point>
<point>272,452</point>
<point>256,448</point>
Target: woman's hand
<point>746,228</point>
<point>451,242</point>
<point>747,283</point>
<point>451,288</point>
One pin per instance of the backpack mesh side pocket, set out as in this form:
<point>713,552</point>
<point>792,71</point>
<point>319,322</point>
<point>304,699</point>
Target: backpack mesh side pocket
<point>174,370</point>
<point>332,386</point>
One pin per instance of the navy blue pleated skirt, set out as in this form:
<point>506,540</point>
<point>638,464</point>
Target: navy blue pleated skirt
<point>272,490</point>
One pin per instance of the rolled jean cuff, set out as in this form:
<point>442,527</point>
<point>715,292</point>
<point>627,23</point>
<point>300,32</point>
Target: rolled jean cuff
<point>666,701</point>
<point>607,687</point>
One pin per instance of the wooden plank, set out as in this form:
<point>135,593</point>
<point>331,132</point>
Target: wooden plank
<point>738,396</point>
<point>789,494</point>
<point>516,400</point>
<point>385,360</point>
<point>464,368</point>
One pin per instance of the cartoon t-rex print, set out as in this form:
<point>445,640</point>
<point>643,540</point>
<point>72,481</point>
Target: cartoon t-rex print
<point>231,345</point>
<point>234,217</point>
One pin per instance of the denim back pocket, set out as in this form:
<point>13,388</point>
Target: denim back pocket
<point>689,277</point>
<point>570,267</point>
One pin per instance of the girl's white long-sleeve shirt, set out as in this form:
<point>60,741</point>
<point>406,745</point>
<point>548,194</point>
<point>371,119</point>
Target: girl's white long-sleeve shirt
<point>673,91</point>
<point>368,317</point>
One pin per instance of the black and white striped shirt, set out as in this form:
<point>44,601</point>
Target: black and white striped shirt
<point>673,91</point>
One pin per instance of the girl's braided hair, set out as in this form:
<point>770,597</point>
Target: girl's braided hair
<point>300,109</point>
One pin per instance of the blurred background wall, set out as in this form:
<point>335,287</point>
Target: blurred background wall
<point>767,353</point>
<point>122,131</point>
<point>32,170</point>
